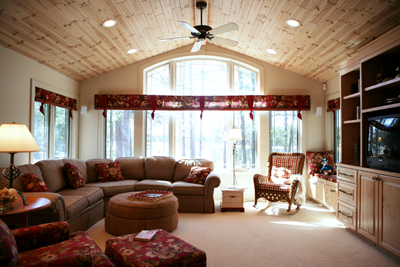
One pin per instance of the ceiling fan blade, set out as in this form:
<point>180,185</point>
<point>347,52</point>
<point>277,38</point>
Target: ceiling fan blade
<point>188,26</point>
<point>224,28</point>
<point>177,38</point>
<point>224,41</point>
<point>197,45</point>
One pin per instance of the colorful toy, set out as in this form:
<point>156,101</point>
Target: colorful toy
<point>326,168</point>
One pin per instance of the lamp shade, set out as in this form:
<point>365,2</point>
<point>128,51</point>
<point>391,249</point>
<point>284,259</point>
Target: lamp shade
<point>15,137</point>
<point>235,134</point>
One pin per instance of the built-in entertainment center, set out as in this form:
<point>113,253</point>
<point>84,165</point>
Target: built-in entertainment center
<point>369,168</point>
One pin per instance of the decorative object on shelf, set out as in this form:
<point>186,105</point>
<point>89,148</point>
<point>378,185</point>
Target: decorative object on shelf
<point>15,138</point>
<point>358,112</point>
<point>397,72</point>
<point>355,153</point>
<point>7,197</point>
<point>234,135</point>
<point>326,168</point>
<point>392,100</point>
<point>381,75</point>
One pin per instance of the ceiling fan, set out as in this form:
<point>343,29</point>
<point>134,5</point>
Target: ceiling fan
<point>203,32</point>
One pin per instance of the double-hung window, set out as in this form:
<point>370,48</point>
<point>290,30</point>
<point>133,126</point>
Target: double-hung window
<point>336,135</point>
<point>283,136</point>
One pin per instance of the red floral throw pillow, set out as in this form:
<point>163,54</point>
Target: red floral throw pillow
<point>8,246</point>
<point>109,172</point>
<point>314,160</point>
<point>32,183</point>
<point>198,175</point>
<point>73,176</point>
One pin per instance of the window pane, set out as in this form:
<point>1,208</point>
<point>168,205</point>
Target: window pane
<point>158,80</point>
<point>283,131</point>
<point>119,133</point>
<point>61,133</point>
<point>336,128</point>
<point>41,132</point>
<point>158,134</point>
<point>245,154</point>
<point>244,81</point>
<point>201,138</point>
<point>201,77</point>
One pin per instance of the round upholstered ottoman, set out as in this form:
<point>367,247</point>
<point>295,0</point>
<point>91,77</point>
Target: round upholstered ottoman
<point>126,216</point>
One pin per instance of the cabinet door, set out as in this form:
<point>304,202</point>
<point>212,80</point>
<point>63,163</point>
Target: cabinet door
<point>330,196</point>
<point>320,193</point>
<point>368,205</point>
<point>389,213</point>
<point>312,188</point>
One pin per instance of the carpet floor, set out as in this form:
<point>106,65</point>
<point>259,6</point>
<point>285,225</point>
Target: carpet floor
<point>271,237</point>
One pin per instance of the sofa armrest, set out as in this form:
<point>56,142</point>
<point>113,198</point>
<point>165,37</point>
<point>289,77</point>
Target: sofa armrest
<point>212,181</point>
<point>42,235</point>
<point>57,205</point>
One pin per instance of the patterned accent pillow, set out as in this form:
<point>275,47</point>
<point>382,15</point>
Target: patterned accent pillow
<point>198,175</point>
<point>73,176</point>
<point>32,183</point>
<point>284,166</point>
<point>8,246</point>
<point>314,160</point>
<point>109,172</point>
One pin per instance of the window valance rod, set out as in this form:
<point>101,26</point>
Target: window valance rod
<point>216,103</point>
<point>54,99</point>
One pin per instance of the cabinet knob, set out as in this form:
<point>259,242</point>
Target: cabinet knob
<point>376,178</point>
<point>333,190</point>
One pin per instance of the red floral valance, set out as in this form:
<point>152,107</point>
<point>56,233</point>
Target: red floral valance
<point>333,105</point>
<point>54,99</point>
<point>232,103</point>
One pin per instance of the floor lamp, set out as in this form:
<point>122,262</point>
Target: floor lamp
<point>234,135</point>
<point>15,138</point>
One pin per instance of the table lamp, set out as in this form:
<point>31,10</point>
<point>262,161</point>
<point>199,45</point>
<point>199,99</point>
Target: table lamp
<point>234,135</point>
<point>15,138</point>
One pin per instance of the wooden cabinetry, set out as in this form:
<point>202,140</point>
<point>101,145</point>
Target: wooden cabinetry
<point>323,191</point>
<point>347,197</point>
<point>232,199</point>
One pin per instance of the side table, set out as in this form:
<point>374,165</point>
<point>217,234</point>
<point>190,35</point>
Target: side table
<point>232,199</point>
<point>17,214</point>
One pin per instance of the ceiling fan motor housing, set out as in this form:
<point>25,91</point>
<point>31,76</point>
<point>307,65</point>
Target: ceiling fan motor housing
<point>201,5</point>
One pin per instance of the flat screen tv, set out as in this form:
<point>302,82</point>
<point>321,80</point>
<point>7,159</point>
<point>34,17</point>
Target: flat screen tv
<point>383,143</point>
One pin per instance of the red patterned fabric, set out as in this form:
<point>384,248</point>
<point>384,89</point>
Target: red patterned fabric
<point>334,104</point>
<point>79,250</point>
<point>331,178</point>
<point>274,187</point>
<point>164,250</point>
<point>8,246</point>
<point>34,237</point>
<point>73,176</point>
<point>284,166</point>
<point>32,183</point>
<point>108,172</point>
<point>314,160</point>
<point>47,97</point>
<point>198,175</point>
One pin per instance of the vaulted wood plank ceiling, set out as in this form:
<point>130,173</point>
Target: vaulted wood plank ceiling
<point>67,35</point>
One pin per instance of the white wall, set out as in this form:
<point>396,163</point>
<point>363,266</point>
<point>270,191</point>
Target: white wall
<point>16,74</point>
<point>332,92</point>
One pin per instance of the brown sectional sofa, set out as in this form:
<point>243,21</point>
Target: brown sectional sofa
<point>84,206</point>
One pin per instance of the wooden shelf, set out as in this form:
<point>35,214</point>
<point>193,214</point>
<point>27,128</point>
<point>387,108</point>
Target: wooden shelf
<point>389,84</point>
<point>396,105</point>
<point>352,95</point>
<point>352,121</point>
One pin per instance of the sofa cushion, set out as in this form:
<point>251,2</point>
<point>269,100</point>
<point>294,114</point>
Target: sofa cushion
<point>183,188</point>
<point>197,175</point>
<point>91,169</point>
<point>152,185</point>
<point>32,183</point>
<point>92,194</point>
<point>53,173</point>
<point>115,188</point>
<point>74,204</point>
<point>8,246</point>
<point>184,166</point>
<point>160,168</point>
<point>73,176</point>
<point>315,161</point>
<point>18,183</point>
<point>132,168</point>
<point>81,164</point>
<point>109,172</point>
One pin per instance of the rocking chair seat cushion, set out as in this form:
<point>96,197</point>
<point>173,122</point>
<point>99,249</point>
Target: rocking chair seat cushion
<point>274,187</point>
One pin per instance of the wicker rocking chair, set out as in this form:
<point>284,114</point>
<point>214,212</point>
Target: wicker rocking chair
<point>279,183</point>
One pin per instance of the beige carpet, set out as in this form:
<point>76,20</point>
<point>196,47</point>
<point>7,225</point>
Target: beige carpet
<point>271,237</point>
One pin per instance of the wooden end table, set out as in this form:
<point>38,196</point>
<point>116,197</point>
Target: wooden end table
<point>17,214</point>
<point>232,199</point>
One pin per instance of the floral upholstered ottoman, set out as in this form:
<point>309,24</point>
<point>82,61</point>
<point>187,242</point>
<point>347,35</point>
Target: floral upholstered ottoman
<point>164,250</point>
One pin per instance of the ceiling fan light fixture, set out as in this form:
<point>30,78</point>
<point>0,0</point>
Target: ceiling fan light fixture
<point>293,23</point>
<point>109,23</point>
<point>131,51</point>
<point>271,51</point>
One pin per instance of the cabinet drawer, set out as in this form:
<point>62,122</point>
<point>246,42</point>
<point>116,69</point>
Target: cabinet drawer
<point>346,214</point>
<point>347,192</point>
<point>232,204</point>
<point>348,175</point>
<point>232,198</point>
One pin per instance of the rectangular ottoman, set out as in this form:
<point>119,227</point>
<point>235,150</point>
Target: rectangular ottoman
<point>164,250</point>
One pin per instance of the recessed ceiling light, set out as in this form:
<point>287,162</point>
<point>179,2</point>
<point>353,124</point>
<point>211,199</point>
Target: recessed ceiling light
<point>271,51</point>
<point>293,23</point>
<point>131,51</point>
<point>109,23</point>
